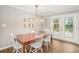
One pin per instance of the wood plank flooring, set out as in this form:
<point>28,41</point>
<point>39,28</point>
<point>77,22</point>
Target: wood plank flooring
<point>56,47</point>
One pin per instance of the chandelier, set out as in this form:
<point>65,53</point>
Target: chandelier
<point>36,17</point>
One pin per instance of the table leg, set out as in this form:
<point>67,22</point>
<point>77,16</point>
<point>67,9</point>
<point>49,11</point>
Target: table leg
<point>51,38</point>
<point>23,48</point>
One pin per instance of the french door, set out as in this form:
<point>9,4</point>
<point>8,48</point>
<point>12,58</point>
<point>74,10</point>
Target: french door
<point>63,27</point>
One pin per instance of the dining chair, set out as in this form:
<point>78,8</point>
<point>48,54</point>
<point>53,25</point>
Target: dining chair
<point>17,47</point>
<point>47,39</point>
<point>36,46</point>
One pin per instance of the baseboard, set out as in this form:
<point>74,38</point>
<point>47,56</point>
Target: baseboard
<point>4,47</point>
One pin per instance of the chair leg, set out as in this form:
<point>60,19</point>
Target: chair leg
<point>30,49</point>
<point>26,50</point>
<point>13,50</point>
<point>35,50</point>
<point>21,50</point>
<point>41,50</point>
<point>50,45</point>
<point>17,51</point>
<point>47,47</point>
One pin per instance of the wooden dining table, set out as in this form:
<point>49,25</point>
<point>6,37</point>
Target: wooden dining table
<point>26,39</point>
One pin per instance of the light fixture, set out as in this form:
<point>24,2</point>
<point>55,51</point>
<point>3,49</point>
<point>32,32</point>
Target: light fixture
<point>36,17</point>
<point>3,25</point>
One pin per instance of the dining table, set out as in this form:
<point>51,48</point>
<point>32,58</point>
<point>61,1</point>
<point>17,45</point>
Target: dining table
<point>26,39</point>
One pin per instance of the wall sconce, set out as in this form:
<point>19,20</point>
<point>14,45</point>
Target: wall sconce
<point>3,25</point>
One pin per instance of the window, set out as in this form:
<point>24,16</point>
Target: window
<point>29,25</point>
<point>25,20</point>
<point>24,25</point>
<point>68,24</point>
<point>32,25</point>
<point>56,25</point>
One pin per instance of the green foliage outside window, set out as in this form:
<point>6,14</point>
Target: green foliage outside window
<point>68,24</point>
<point>56,25</point>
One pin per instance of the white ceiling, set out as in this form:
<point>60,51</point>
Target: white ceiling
<point>46,10</point>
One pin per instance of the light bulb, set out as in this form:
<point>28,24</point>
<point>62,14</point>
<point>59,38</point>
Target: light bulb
<point>41,20</point>
<point>36,19</point>
<point>11,34</point>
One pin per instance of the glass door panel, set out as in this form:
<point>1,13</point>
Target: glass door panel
<point>68,26</point>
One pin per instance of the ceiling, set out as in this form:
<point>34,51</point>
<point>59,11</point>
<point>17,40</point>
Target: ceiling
<point>46,10</point>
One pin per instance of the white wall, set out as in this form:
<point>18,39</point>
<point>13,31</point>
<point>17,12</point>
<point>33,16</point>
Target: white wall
<point>75,34</point>
<point>13,18</point>
<point>0,34</point>
<point>0,30</point>
<point>77,27</point>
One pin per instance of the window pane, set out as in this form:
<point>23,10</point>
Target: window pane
<point>29,25</point>
<point>68,24</point>
<point>32,25</point>
<point>56,20</point>
<point>56,27</point>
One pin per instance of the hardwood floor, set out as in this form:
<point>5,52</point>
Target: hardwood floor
<point>7,50</point>
<point>57,47</point>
